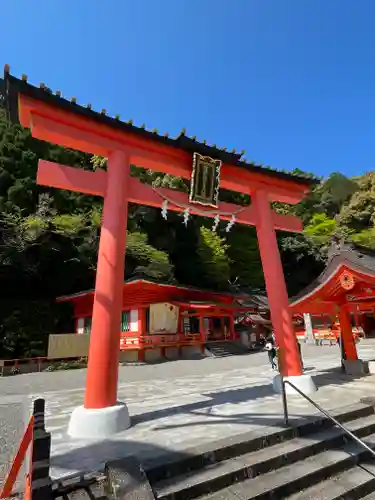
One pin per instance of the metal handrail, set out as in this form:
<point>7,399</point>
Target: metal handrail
<point>322,410</point>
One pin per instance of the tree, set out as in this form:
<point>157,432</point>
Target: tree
<point>359,212</point>
<point>321,229</point>
<point>144,260</point>
<point>334,192</point>
<point>303,260</point>
<point>212,250</point>
<point>244,257</point>
<point>327,197</point>
<point>365,238</point>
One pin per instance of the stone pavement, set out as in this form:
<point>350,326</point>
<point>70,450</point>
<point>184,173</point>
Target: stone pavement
<point>178,405</point>
<point>13,421</point>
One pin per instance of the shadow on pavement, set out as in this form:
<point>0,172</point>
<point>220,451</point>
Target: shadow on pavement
<point>86,455</point>
<point>333,376</point>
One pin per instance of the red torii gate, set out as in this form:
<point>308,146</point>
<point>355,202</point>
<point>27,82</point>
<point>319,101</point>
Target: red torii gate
<point>54,119</point>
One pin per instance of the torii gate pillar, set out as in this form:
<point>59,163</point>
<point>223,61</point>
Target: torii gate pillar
<point>278,299</point>
<point>351,363</point>
<point>102,415</point>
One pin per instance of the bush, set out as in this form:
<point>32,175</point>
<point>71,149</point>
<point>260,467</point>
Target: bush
<point>67,365</point>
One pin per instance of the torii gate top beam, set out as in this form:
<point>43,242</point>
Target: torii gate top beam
<point>59,121</point>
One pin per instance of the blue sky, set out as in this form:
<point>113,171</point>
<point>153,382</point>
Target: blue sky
<point>290,81</point>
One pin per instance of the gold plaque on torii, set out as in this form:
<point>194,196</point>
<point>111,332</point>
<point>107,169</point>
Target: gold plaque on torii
<point>205,181</point>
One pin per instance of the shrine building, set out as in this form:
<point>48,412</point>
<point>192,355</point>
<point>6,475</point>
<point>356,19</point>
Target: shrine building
<point>345,293</point>
<point>164,321</point>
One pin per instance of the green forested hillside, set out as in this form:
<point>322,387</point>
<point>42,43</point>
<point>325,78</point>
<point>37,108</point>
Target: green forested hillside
<point>49,240</point>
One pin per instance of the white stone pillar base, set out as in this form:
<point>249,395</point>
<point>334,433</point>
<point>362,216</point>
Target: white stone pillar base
<point>303,382</point>
<point>98,423</point>
<point>355,367</point>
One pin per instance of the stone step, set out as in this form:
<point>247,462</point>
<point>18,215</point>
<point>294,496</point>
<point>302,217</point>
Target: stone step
<point>221,352</point>
<point>292,478</point>
<point>173,464</point>
<point>229,348</point>
<point>122,479</point>
<point>81,488</point>
<point>348,485</point>
<point>370,496</point>
<point>303,474</point>
<point>220,475</point>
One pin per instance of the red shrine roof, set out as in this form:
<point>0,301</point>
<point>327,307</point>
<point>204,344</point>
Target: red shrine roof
<point>142,291</point>
<point>14,87</point>
<point>202,305</point>
<point>133,283</point>
<point>349,277</point>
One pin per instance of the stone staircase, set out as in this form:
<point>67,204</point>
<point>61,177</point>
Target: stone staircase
<point>226,348</point>
<point>311,460</point>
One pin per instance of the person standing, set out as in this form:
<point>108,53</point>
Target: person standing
<point>271,349</point>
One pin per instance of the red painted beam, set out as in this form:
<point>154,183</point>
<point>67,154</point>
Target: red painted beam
<point>289,223</point>
<point>48,130</point>
<point>146,195</point>
<point>74,179</point>
<point>77,132</point>
<point>367,306</point>
<point>315,308</point>
<point>55,132</point>
<point>70,178</point>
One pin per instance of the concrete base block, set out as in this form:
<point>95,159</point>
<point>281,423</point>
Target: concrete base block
<point>153,355</point>
<point>128,356</point>
<point>304,383</point>
<point>191,352</point>
<point>98,423</point>
<point>355,367</point>
<point>171,353</point>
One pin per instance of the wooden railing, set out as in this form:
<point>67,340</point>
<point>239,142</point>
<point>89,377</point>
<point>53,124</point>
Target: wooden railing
<point>131,341</point>
<point>174,339</point>
<point>128,341</point>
